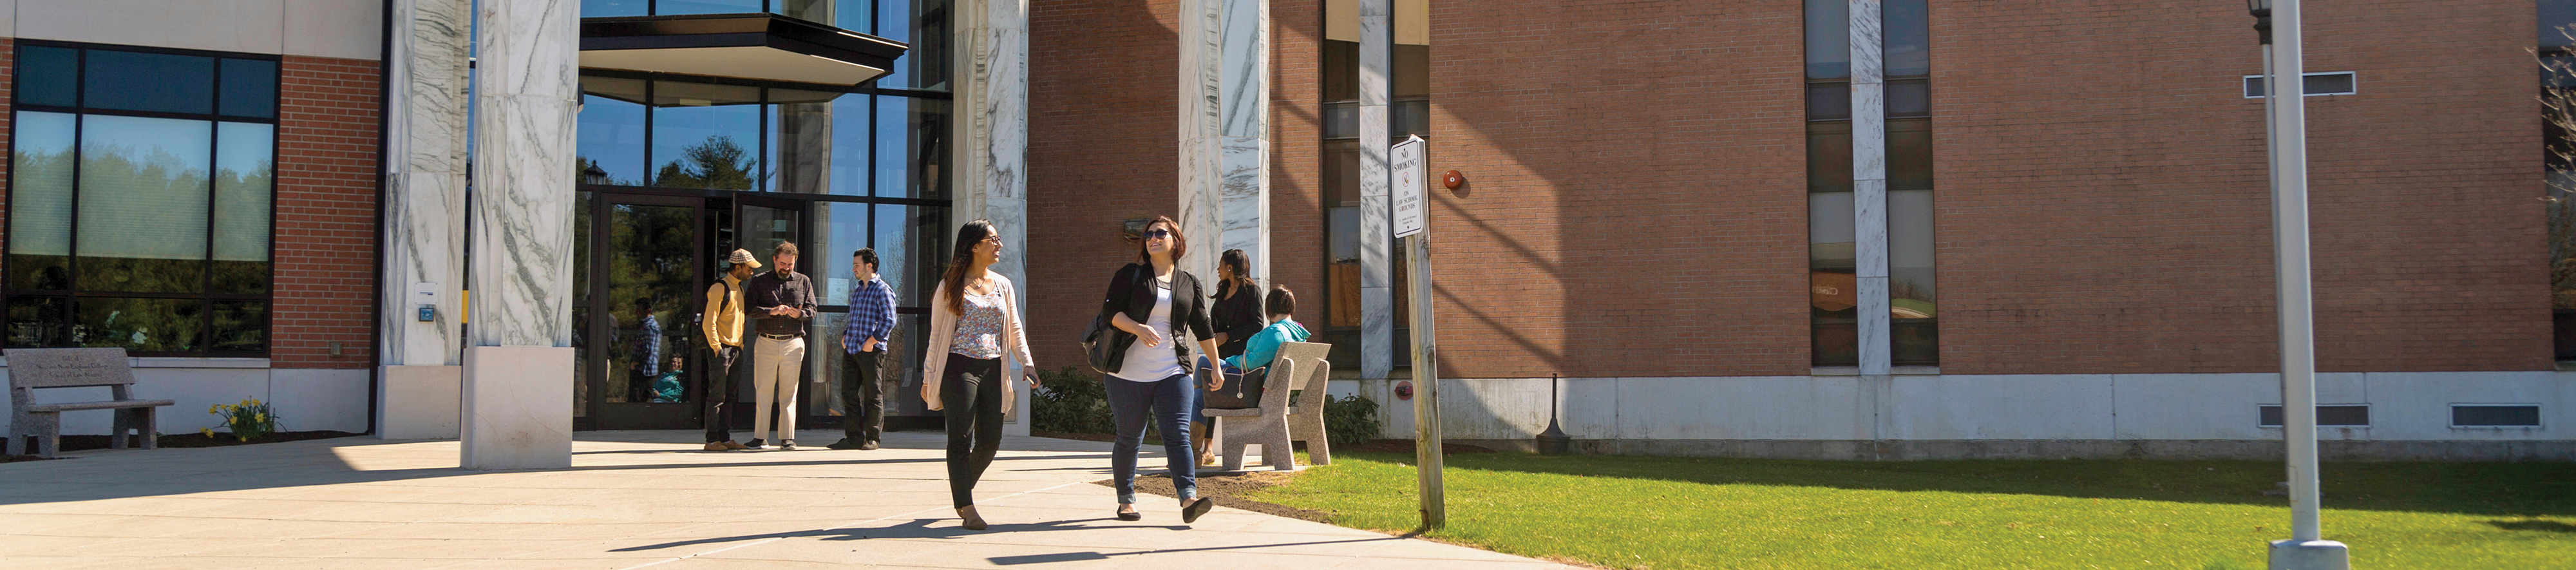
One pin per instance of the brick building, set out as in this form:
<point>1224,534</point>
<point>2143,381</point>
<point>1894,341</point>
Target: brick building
<point>1971,230</point>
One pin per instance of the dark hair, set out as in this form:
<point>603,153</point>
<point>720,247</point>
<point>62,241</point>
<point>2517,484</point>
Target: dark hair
<point>1241,263</point>
<point>1281,301</point>
<point>1180,245</point>
<point>783,248</point>
<point>645,303</point>
<point>953,280</point>
<point>866,255</point>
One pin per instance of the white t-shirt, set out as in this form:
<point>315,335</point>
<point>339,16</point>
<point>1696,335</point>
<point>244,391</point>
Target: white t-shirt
<point>1148,364</point>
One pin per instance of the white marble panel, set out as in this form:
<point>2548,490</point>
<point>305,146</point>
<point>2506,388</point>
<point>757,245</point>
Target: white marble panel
<point>319,398</point>
<point>346,29</point>
<point>1376,53</point>
<point>1869,228</point>
<point>2417,405</point>
<point>249,26</point>
<point>805,138</point>
<point>1244,200</point>
<point>519,407</point>
<point>1869,131</point>
<point>9,18</point>
<point>2191,406</point>
<point>1875,357</point>
<point>992,127</point>
<point>1243,78</point>
<point>419,402</point>
<point>529,48</point>
<point>1751,407</point>
<point>523,208</point>
<point>1866,64</point>
<point>2026,406</point>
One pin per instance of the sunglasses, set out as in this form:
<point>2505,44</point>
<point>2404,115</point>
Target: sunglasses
<point>1158,234</point>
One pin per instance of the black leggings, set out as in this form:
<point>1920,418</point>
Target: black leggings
<point>970,391</point>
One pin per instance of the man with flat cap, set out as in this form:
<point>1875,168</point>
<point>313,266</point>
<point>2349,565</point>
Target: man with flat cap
<point>722,322</point>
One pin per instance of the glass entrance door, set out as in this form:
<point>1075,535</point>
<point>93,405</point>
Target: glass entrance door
<point>645,263</point>
<point>759,225</point>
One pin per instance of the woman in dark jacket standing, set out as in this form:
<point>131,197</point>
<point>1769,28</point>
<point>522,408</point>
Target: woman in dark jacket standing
<point>1150,301</point>
<point>1236,317</point>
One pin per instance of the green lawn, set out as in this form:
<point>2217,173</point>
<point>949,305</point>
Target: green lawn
<point>1687,513</point>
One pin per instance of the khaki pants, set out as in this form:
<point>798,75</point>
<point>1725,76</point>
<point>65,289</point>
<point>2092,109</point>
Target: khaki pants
<point>777,366</point>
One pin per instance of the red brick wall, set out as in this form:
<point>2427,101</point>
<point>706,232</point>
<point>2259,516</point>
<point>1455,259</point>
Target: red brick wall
<point>326,224</point>
<point>2102,204</point>
<point>1103,144</point>
<point>1636,196</point>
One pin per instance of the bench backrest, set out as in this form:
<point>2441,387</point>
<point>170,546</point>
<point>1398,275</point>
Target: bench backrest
<point>1311,368</point>
<point>68,367</point>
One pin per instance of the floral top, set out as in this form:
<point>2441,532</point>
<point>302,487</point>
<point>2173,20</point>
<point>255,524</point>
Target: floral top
<point>979,332</point>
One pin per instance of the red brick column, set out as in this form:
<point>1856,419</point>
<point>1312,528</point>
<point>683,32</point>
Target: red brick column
<point>326,233</point>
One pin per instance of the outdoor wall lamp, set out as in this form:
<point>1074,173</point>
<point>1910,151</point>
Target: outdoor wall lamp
<point>2262,11</point>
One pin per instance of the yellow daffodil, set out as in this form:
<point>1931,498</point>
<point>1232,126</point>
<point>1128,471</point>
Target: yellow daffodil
<point>208,432</point>
<point>214,408</point>
<point>262,418</point>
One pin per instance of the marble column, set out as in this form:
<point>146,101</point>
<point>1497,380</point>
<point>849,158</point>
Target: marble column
<point>990,124</point>
<point>1377,301</point>
<point>424,229</point>
<point>1225,131</point>
<point>519,364</point>
<point>1869,187</point>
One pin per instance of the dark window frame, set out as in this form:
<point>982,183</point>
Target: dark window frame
<point>72,293</point>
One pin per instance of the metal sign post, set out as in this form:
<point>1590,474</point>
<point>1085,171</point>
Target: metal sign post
<point>1411,199</point>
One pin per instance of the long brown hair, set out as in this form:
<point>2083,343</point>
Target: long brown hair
<point>953,281</point>
<point>1180,245</point>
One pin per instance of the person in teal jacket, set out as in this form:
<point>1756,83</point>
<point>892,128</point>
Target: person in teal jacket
<point>1259,352</point>
<point>1264,346</point>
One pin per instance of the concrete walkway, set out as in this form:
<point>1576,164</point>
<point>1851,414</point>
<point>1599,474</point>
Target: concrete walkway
<point>634,500</point>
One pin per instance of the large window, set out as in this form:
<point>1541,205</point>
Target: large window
<point>1408,113</point>
<point>1833,244</point>
<point>141,185</point>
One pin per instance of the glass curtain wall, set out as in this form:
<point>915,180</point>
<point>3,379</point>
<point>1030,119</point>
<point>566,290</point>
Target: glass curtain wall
<point>2557,52</point>
<point>866,161</point>
<point>141,189</point>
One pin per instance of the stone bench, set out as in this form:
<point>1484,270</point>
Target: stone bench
<point>31,369</point>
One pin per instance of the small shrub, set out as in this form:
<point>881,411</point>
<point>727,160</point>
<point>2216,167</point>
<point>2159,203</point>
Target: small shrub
<point>1069,400</point>
<point>1350,420</point>
<point>251,419</point>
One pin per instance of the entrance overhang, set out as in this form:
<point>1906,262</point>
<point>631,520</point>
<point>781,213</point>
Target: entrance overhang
<point>767,47</point>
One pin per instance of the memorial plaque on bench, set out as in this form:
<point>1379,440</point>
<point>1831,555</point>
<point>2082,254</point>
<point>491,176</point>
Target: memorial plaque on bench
<point>50,367</point>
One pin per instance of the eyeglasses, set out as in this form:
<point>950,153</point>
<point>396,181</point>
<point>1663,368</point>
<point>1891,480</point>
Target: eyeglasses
<point>993,239</point>
<point>1158,234</point>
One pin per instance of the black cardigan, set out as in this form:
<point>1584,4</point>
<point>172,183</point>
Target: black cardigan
<point>1239,317</point>
<point>1129,292</point>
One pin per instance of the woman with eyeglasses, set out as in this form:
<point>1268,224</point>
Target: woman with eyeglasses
<point>974,322</point>
<point>1150,301</point>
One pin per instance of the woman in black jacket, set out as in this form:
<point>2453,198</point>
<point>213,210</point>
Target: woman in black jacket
<point>1150,301</point>
<point>1236,315</point>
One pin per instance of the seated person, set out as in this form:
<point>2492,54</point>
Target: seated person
<point>1259,352</point>
<point>667,388</point>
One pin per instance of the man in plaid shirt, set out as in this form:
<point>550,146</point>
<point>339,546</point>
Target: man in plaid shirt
<point>863,355</point>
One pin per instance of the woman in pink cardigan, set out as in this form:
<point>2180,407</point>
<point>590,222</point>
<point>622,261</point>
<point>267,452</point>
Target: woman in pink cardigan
<point>974,323</point>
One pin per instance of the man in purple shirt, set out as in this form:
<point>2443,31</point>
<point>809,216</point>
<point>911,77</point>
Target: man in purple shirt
<point>863,355</point>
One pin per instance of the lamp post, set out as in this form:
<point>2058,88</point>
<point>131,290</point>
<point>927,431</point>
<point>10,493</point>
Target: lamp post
<point>2286,130</point>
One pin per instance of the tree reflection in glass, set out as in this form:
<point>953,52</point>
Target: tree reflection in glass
<point>716,163</point>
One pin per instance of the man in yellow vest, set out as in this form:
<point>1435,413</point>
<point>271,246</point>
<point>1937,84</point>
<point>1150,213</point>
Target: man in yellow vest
<point>722,324</point>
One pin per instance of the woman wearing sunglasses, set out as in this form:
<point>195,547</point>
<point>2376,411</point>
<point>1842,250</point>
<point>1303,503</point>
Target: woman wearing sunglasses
<point>1149,301</point>
<point>974,324</point>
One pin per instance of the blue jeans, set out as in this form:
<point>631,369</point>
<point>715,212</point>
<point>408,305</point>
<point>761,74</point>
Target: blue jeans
<point>1169,403</point>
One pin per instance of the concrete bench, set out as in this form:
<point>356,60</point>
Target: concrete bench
<point>1301,369</point>
<point>31,369</point>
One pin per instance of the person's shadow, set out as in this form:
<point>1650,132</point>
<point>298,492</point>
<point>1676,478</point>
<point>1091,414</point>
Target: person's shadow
<point>916,529</point>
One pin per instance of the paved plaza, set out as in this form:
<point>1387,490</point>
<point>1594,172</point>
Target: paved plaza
<point>635,500</point>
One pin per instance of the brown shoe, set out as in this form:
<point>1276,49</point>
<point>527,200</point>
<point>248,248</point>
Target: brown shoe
<point>718,446</point>
<point>730,444</point>
<point>969,519</point>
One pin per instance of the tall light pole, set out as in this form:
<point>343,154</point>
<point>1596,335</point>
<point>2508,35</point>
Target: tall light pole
<point>2286,132</point>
